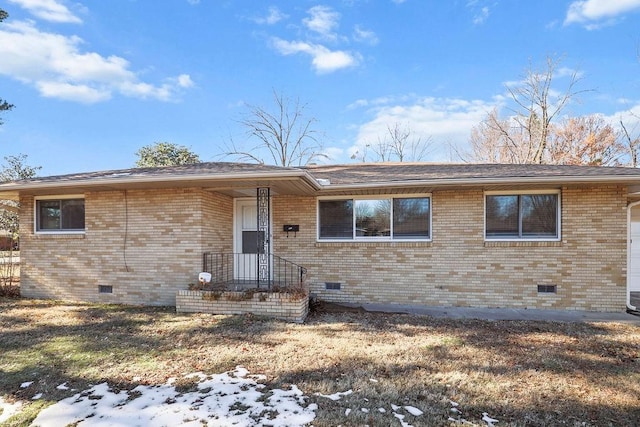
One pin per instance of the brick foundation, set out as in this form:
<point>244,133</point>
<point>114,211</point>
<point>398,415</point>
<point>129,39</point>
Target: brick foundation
<point>285,306</point>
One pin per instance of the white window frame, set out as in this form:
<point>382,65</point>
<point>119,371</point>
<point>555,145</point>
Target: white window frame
<point>558,238</point>
<point>389,197</point>
<point>63,197</point>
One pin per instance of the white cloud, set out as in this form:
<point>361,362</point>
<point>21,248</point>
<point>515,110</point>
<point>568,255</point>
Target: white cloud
<point>324,60</point>
<point>273,16</point>
<point>184,80</point>
<point>49,10</point>
<point>481,16</point>
<point>448,121</point>
<point>323,21</point>
<point>56,66</point>
<point>591,13</point>
<point>69,92</point>
<point>364,36</point>
<point>332,153</point>
<point>629,116</point>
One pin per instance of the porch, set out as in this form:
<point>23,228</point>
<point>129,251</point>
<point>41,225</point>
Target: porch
<point>251,271</point>
<point>241,283</point>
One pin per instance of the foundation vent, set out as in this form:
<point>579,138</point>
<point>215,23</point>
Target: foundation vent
<point>547,289</point>
<point>105,289</point>
<point>332,286</point>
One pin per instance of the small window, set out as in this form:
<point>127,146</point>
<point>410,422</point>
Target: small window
<point>522,216</point>
<point>382,218</point>
<point>60,215</point>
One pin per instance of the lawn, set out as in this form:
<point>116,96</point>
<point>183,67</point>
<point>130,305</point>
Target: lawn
<point>381,369</point>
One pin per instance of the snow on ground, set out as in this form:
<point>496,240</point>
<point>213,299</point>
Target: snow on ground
<point>232,398</point>
<point>8,409</point>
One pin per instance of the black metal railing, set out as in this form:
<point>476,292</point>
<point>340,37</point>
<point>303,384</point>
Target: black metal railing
<point>237,271</point>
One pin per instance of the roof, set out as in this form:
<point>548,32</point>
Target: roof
<point>236,178</point>
<point>406,172</point>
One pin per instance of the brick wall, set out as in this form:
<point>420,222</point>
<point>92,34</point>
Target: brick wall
<point>144,244</point>
<point>458,268</point>
<point>279,305</point>
<point>149,245</point>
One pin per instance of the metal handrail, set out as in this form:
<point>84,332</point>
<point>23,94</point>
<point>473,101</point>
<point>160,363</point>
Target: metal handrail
<point>241,271</point>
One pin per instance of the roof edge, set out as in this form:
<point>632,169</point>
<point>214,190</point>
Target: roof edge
<point>121,180</point>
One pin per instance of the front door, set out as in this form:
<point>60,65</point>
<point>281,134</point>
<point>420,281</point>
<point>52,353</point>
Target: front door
<point>246,241</point>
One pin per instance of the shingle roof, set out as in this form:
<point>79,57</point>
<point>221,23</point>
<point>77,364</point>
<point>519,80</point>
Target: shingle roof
<point>197,169</point>
<point>327,178</point>
<point>358,173</point>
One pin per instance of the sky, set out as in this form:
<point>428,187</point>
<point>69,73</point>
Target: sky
<point>93,82</point>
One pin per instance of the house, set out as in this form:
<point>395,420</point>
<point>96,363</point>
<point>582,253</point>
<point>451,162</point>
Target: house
<point>522,236</point>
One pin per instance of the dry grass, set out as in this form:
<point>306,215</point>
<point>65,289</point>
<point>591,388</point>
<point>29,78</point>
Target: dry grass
<point>522,373</point>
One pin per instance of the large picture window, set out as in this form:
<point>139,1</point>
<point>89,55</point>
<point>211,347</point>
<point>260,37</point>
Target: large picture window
<point>375,218</point>
<point>522,216</point>
<point>60,215</point>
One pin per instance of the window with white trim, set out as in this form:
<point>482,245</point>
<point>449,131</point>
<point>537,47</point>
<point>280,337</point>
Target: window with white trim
<point>375,218</point>
<point>526,216</point>
<point>60,215</point>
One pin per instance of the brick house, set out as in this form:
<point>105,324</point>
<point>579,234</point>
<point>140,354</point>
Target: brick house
<point>534,236</point>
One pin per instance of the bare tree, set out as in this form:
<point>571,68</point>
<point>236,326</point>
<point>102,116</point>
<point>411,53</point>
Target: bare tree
<point>523,137</point>
<point>399,144</point>
<point>630,140</point>
<point>15,169</point>
<point>496,140</point>
<point>285,135</point>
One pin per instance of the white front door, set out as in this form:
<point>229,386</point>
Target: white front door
<point>246,240</point>
<point>634,251</point>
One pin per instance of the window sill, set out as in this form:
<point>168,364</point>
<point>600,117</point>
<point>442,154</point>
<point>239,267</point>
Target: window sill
<point>389,243</point>
<point>522,243</point>
<point>61,234</point>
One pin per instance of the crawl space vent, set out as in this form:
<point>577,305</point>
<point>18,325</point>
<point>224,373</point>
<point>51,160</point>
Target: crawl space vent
<point>547,289</point>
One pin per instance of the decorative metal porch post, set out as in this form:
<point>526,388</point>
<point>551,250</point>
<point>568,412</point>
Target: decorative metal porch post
<point>264,233</point>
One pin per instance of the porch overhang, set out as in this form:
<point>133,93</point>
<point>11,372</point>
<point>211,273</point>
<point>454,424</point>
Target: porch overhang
<point>295,182</point>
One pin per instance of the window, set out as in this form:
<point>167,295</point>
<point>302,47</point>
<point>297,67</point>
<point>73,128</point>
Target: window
<point>375,218</point>
<point>60,215</point>
<point>522,216</point>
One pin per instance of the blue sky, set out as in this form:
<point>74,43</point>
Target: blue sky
<point>93,82</point>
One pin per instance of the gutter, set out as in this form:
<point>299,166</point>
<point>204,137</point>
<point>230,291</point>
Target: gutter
<point>132,179</point>
<point>507,180</point>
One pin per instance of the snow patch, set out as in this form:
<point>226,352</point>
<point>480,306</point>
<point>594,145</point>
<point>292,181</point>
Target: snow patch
<point>8,409</point>
<point>26,384</point>
<point>413,411</point>
<point>231,398</point>
<point>335,396</point>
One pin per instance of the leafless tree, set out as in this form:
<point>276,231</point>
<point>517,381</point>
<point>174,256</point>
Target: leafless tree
<point>630,140</point>
<point>399,144</point>
<point>284,135</point>
<point>523,137</point>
